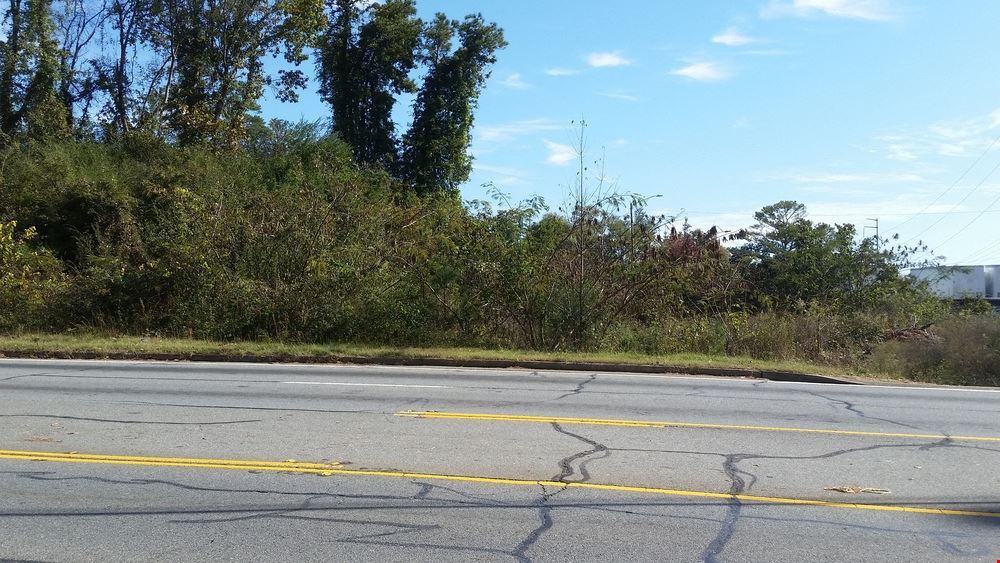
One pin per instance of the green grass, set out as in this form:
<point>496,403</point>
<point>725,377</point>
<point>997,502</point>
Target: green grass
<point>41,344</point>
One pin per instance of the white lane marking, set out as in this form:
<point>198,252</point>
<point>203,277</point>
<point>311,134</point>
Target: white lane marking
<point>549,373</point>
<point>365,384</point>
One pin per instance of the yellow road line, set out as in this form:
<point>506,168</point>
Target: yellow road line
<point>658,424</point>
<point>329,469</point>
<point>290,465</point>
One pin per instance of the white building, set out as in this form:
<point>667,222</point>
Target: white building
<point>967,281</point>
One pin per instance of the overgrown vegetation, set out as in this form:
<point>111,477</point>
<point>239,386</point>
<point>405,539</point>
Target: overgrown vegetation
<point>150,199</point>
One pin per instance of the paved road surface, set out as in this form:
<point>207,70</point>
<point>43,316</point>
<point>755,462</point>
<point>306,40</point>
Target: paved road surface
<point>168,463</point>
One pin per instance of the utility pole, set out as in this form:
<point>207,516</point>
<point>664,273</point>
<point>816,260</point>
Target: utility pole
<point>582,220</point>
<point>878,241</point>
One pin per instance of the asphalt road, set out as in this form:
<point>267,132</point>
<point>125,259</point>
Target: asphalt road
<point>107,461</point>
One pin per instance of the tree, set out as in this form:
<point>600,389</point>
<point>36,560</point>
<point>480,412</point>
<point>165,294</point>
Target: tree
<point>792,261</point>
<point>213,52</point>
<point>29,65</point>
<point>77,25</point>
<point>365,61</point>
<point>435,149</point>
<point>115,72</point>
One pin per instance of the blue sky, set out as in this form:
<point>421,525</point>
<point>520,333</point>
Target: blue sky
<point>857,108</point>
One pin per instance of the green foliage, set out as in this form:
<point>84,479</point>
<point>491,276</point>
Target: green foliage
<point>435,153</point>
<point>366,59</point>
<point>28,61</point>
<point>791,262</point>
<point>961,351</point>
<point>30,279</point>
<point>364,62</point>
<point>285,237</point>
<point>149,197</point>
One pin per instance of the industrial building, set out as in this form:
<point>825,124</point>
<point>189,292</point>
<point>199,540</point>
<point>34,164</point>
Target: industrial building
<point>962,282</point>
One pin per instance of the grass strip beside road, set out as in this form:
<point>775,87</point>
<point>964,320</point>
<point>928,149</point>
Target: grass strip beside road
<point>136,347</point>
<point>334,469</point>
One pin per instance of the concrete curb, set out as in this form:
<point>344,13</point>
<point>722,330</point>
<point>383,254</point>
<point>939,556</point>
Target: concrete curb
<point>439,362</point>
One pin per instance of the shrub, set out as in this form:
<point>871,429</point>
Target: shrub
<point>962,351</point>
<point>30,280</point>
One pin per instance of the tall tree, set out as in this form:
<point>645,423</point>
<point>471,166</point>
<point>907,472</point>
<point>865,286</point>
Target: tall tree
<point>364,64</point>
<point>435,156</point>
<point>116,73</point>
<point>213,52</point>
<point>29,66</point>
<point>78,24</point>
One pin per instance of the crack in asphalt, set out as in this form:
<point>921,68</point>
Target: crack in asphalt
<point>578,389</point>
<point>566,464</point>
<point>948,542</point>
<point>566,470</point>
<point>737,486</point>
<point>46,374</point>
<point>944,443</point>
<point>472,500</point>
<point>110,420</point>
<point>852,407</point>
<point>427,488</point>
<point>520,551</point>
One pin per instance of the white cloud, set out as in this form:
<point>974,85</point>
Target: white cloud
<point>703,71</point>
<point>559,154</point>
<point>514,129</point>
<point>504,175</point>
<point>732,37</point>
<point>607,59</point>
<point>870,10</point>
<point>953,138</point>
<point>515,82</point>
<point>561,71</point>
<point>851,178</point>
<point>621,95</point>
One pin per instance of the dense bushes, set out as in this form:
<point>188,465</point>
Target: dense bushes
<point>963,350</point>
<point>286,238</point>
<point>31,279</point>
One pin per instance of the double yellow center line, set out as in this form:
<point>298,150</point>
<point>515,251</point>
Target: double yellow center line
<point>290,466</point>
<point>661,424</point>
<point>330,469</point>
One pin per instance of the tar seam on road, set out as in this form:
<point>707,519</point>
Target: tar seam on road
<point>330,469</point>
<point>661,424</point>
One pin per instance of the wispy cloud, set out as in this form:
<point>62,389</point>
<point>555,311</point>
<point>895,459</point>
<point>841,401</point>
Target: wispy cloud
<point>514,129</point>
<point>515,82</point>
<point>621,95</point>
<point>732,37</point>
<point>558,71</point>
<point>607,59</point>
<point>502,175</point>
<point>870,10</point>
<point>842,178</point>
<point>705,71</point>
<point>953,138</point>
<point>559,154</point>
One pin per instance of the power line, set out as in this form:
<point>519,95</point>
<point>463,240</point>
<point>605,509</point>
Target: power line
<point>953,184</point>
<point>976,218</point>
<point>963,200</point>
<point>982,253</point>
<point>858,214</point>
